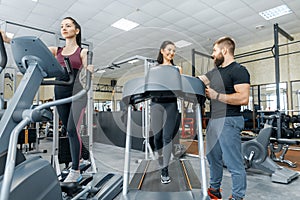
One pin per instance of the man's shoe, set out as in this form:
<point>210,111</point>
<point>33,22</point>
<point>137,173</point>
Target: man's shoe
<point>235,198</point>
<point>214,193</point>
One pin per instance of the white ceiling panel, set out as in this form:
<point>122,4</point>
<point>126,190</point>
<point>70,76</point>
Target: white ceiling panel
<point>172,16</point>
<point>155,8</point>
<point>241,13</point>
<point>228,27</point>
<point>85,10</point>
<point>45,10</point>
<point>6,13</point>
<point>207,14</point>
<point>251,22</point>
<point>227,6</point>
<point>259,5</point>
<point>187,9</point>
<point>218,21</point>
<point>134,3</point>
<point>156,22</point>
<point>187,22</point>
<point>198,21</point>
<point>118,9</point>
<point>60,5</point>
<point>139,17</point>
<point>40,21</point>
<point>294,6</point>
<point>94,25</point>
<point>105,18</point>
<point>212,3</point>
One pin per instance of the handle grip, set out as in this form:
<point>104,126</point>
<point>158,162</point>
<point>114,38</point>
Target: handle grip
<point>89,57</point>
<point>88,73</point>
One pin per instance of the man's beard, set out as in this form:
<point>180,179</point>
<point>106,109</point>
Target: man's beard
<point>219,60</point>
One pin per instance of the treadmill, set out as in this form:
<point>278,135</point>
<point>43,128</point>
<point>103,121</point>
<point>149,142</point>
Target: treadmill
<point>145,183</point>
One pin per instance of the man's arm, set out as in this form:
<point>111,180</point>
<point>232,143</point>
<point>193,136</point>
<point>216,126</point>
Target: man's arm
<point>204,79</point>
<point>240,97</point>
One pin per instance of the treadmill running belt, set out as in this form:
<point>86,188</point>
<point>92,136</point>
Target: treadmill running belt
<point>152,183</point>
<point>152,179</point>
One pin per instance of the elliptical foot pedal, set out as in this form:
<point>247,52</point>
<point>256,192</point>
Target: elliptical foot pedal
<point>84,167</point>
<point>70,188</point>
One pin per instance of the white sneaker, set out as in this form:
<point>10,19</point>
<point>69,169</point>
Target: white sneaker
<point>165,179</point>
<point>73,177</point>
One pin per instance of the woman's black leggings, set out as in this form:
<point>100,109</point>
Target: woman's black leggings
<point>71,115</point>
<point>163,121</point>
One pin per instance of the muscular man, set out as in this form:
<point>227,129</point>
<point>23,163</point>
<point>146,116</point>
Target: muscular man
<point>228,87</point>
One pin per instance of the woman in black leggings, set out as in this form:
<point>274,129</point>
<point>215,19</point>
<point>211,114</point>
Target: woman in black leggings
<point>71,114</point>
<point>163,115</point>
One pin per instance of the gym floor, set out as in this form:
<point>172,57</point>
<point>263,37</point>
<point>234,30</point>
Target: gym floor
<point>110,158</point>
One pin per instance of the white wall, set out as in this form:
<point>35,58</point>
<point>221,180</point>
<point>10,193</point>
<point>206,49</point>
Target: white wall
<point>262,72</point>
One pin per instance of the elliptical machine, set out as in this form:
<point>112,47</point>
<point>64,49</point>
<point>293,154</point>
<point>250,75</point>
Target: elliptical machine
<point>32,178</point>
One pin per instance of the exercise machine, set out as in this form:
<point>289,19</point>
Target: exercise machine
<point>285,136</point>
<point>34,178</point>
<point>255,154</point>
<point>145,184</point>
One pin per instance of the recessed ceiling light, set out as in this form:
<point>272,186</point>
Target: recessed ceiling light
<point>35,0</point>
<point>259,27</point>
<point>182,43</point>
<point>275,12</point>
<point>125,24</point>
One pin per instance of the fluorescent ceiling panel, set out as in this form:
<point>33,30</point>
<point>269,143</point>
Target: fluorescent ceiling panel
<point>275,12</point>
<point>125,24</point>
<point>182,43</point>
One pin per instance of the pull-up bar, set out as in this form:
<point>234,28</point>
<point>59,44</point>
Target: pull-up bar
<point>278,30</point>
<point>114,65</point>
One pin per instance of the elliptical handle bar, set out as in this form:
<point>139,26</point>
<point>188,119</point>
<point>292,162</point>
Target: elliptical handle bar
<point>76,96</point>
<point>70,72</point>
<point>88,73</point>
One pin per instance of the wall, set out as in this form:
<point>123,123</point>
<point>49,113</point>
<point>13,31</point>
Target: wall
<point>262,72</point>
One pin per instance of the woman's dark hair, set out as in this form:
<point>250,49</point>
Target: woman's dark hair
<point>78,36</point>
<point>160,58</point>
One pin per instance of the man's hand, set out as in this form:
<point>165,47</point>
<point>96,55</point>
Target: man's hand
<point>211,93</point>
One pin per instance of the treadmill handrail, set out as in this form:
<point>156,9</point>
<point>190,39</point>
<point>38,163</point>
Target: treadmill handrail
<point>71,98</point>
<point>155,84</point>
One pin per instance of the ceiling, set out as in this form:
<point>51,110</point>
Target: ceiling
<point>197,21</point>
